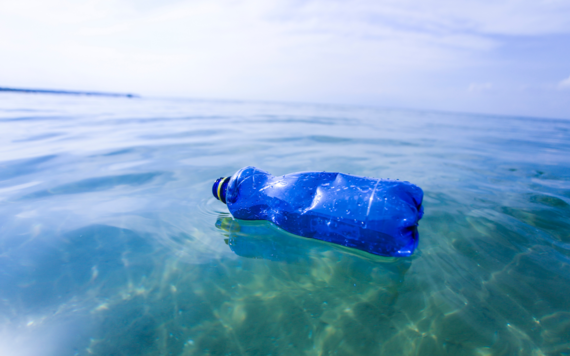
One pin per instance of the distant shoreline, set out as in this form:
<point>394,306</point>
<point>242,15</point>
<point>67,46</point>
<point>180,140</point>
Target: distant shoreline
<point>66,92</point>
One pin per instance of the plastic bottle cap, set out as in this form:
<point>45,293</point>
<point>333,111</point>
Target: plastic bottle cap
<point>219,188</point>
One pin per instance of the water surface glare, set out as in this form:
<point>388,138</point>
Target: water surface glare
<point>111,243</point>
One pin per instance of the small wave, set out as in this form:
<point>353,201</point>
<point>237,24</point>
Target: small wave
<point>212,207</point>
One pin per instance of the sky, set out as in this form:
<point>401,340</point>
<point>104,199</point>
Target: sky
<point>507,57</point>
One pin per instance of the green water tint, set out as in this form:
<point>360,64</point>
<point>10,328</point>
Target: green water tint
<point>111,244</point>
<point>310,297</point>
<point>313,299</point>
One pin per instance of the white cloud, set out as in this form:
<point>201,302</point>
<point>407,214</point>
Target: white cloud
<point>479,87</point>
<point>405,52</point>
<point>564,84</point>
<point>106,30</point>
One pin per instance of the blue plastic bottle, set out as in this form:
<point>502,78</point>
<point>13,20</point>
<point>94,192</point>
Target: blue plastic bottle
<point>374,215</point>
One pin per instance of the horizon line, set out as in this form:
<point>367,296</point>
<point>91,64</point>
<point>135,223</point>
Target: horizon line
<point>67,92</point>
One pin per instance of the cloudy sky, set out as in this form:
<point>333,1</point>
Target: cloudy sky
<point>486,56</point>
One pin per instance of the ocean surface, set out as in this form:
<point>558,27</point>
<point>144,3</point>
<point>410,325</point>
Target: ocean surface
<point>111,242</point>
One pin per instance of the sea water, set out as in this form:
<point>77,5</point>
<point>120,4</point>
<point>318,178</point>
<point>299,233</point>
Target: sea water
<point>112,244</point>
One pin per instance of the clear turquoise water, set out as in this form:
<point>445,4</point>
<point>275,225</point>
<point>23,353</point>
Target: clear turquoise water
<point>111,244</point>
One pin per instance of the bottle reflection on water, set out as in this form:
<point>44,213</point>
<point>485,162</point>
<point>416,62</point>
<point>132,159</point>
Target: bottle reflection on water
<point>263,240</point>
<point>259,239</point>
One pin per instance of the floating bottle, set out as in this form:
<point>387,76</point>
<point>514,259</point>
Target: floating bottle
<point>379,216</point>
